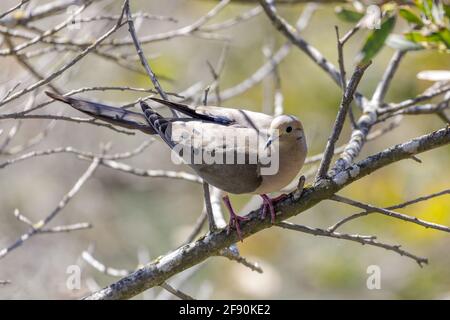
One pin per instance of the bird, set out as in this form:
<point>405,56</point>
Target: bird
<point>267,152</point>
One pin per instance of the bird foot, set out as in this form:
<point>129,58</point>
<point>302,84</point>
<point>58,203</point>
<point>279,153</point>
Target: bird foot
<point>268,204</point>
<point>235,220</point>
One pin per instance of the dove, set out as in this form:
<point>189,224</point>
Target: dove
<point>236,150</point>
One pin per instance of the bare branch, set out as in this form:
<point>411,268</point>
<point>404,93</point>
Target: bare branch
<point>178,293</point>
<point>41,12</point>
<point>77,152</point>
<point>383,85</point>
<point>208,207</point>
<point>197,227</point>
<point>292,35</point>
<point>410,102</point>
<point>17,6</point>
<point>371,136</point>
<point>268,67</point>
<point>92,121</point>
<point>150,173</point>
<point>5,282</point>
<point>227,253</point>
<point>367,119</point>
<point>247,15</point>
<point>61,70</point>
<point>37,227</point>
<point>388,211</point>
<point>369,240</point>
<point>347,98</point>
<point>67,228</point>
<point>140,52</point>
<point>113,272</point>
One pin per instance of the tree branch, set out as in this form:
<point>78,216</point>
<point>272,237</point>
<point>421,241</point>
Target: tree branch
<point>140,52</point>
<point>347,98</point>
<point>369,240</point>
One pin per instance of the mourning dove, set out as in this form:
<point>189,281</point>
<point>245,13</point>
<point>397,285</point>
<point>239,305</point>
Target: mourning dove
<point>235,150</point>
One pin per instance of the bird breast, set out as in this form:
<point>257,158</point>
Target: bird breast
<point>291,160</point>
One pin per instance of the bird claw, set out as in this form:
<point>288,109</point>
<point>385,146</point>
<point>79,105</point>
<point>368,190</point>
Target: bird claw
<point>235,221</point>
<point>268,203</point>
<point>263,210</point>
<point>234,218</point>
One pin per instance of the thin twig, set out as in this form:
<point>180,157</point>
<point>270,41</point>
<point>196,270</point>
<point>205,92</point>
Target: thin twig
<point>390,213</point>
<point>394,207</point>
<point>347,98</point>
<point>410,102</point>
<point>197,227</point>
<point>62,69</point>
<point>93,121</point>
<point>17,6</point>
<point>369,240</point>
<point>36,228</point>
<point>140,52</point>
<point>383,85</point>
<point>371,136</point>
<point>227,253</point>
<point>367,119</point>
<point>340,47</point>
<point>267,67</point>
<point>208,207</point>
<point>290,33</point>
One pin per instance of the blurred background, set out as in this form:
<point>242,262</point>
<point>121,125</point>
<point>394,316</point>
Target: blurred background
<point>132,215</point>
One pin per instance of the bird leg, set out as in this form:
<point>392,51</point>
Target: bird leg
<point>234,218</point>
<point>268,203</point>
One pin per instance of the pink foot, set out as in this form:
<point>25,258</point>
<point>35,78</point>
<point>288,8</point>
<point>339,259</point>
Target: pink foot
<point>234,218</point>
<point>268,203</point>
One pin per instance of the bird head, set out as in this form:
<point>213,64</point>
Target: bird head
<point>285,129</point>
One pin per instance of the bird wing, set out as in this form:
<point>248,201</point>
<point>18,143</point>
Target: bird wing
<point>220,115</point>
<point>224,156</point>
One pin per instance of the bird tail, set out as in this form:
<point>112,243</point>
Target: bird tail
<point>117,116</point>
<point>58,97</point>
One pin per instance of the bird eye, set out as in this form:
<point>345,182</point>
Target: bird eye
<point>288,129</point>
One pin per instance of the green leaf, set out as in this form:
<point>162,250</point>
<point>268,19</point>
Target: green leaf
<point>375,41</point>
<point>417,36</point>
<point>447,10</point>
<point>425,6</point>
<point>444,34</point>
<point>348,15</point>
<point>410,16</point>
<point>399,42</point>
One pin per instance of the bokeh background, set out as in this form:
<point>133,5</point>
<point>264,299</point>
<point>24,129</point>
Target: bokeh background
<point>132,214</point>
